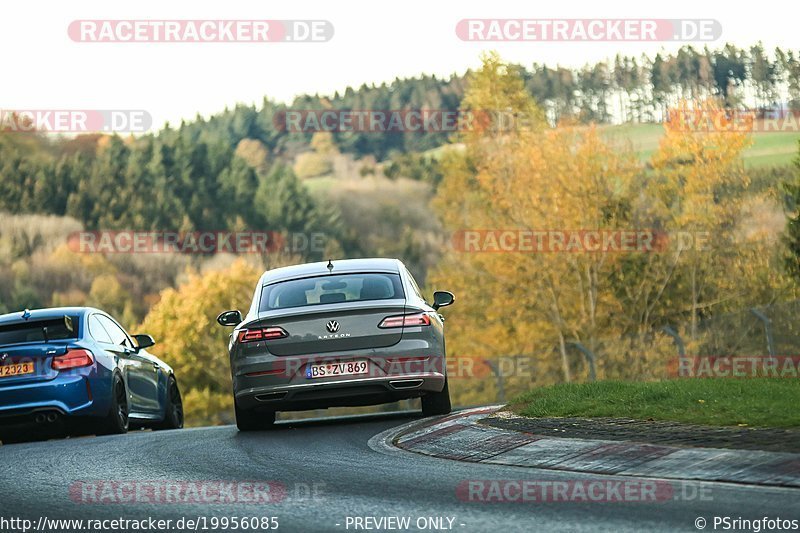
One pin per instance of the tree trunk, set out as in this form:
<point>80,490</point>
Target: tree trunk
<point>562,347</point>
<point>694,302</point>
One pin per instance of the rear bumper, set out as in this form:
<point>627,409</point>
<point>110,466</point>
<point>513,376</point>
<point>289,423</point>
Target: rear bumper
<point>409,369</point>
<point>66,395</point>
<point>340,393</point>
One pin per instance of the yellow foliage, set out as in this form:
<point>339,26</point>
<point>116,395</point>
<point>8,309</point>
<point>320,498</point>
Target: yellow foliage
<point>205,408</point>
<point>322,143</point>
<point>66,260</point>
<point>570,179</point>
<point>254,153</point>
<point>70,298</point>
<point>319,161</point>
<point>188,337</point>
<point>312,164</point>
<point>107,294</point>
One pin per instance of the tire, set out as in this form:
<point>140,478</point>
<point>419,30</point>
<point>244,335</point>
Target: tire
<point>437,403</point>
<point>254,420</point>
<point>173,408</point>
<point>117,421</point>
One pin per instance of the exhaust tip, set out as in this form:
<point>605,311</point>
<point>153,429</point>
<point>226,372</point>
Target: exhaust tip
<point>403,384</point>
<point>41,418</point>
<point>271,396</point>
<point>52,417</point>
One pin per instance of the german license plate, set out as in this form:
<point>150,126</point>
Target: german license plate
<point>347,368</point>
<point>16,369</point>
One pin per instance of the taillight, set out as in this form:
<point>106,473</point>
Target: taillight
<point>399,321</point>
<point>72,359</point>
<point>262,334</point>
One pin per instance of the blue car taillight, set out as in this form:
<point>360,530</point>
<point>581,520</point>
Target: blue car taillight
<point>74,358</point>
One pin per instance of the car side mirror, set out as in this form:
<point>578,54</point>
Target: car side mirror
<point>442,299</point>
<point>230,318</point>
<point>143,341</point>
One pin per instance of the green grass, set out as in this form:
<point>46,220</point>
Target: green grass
<point>768,148</point>
<point>643,139</point>
<point>755,402</point>
<point>772,149</point>
<point>321,184</point>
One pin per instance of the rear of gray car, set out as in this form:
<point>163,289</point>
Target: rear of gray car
<point>342,333</point>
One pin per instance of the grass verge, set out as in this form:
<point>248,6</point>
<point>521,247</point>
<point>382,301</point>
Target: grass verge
<point>754,402</point>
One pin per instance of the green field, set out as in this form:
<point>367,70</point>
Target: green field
<point>756,402</point>
<point>768,149</point>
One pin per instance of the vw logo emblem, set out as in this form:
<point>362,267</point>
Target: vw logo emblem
<point>332,326</point>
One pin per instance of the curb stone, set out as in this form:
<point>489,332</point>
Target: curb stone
<point>460,437</point>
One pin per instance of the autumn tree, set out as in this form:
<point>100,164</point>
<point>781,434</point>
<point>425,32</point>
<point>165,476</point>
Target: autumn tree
<point>610,303</point>
<point>188,337</point>
<point>792,235</point>
<point>319,161</point>
<point>530,178</point>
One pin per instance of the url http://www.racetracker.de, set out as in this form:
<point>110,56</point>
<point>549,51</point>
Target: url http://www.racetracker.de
<point>46,524</point>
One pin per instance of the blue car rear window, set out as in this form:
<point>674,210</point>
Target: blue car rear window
<point>357,287</point>
<point>51,329</point>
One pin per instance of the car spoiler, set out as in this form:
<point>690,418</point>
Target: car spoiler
<point>50,321</point>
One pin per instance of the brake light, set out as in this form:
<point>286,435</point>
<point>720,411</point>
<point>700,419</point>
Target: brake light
<point>72,359</point>
<point>262,334</point>
<point>399,321</point>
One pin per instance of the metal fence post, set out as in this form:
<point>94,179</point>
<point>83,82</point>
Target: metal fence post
<point>677,339</point>
<point>589,359</point>
<point>767,329</point>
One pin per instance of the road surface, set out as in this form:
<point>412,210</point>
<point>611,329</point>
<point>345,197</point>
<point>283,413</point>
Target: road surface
<point>324,477</point>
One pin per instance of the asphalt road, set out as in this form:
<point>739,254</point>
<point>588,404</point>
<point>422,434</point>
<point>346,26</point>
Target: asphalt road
<point>351,479</point>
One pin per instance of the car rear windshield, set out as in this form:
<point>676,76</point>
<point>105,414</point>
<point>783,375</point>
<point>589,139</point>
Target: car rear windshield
<point>333,289</point>
<point>51,329</point>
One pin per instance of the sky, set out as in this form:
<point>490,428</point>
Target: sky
<point>373,42</point>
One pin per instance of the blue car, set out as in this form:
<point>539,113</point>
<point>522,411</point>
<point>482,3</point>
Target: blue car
<point>76,369</point>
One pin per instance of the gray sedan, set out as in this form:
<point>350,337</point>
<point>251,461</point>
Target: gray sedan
<point>342,333</point>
